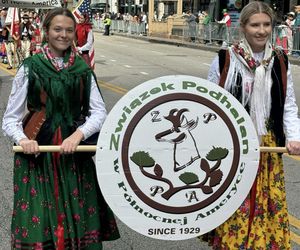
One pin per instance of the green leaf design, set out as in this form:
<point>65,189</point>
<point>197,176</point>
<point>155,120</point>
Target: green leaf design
<point>189,178</point>
<point>217,154</point>
<point>142,159</point>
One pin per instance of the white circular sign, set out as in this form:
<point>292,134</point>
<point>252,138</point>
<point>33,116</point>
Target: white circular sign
<point>176,157</point>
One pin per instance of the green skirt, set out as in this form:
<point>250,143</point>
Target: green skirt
<point>57,199</point>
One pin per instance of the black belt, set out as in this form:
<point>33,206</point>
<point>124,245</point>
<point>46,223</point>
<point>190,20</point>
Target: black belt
<point>84,52</point>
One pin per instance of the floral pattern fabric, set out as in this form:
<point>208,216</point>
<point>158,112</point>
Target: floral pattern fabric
<point>56,61</point>
<point>262,225</point>
<point>86,218</point>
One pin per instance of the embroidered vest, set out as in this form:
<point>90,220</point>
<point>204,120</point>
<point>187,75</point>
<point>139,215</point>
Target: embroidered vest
<point>278,90</point>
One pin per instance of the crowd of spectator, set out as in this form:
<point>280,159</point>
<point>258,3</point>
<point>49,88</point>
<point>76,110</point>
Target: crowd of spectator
<point>106,18</point>
<point>20,39</point>
<point>24,38</point>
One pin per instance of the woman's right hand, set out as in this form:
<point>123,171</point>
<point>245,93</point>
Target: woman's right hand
<point>29,146</point>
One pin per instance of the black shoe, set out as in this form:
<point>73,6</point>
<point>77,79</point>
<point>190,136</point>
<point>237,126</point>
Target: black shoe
<point>9,67</point>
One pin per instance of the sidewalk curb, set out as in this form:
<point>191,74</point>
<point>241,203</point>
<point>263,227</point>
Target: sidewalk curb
<point>178,43</point>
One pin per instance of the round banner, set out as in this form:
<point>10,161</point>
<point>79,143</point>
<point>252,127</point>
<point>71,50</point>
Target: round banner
<point>176,157</point>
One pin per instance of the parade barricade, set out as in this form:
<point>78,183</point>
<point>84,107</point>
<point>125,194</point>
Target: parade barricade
<point>212,33</point>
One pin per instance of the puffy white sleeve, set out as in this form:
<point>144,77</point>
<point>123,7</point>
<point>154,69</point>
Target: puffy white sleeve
<point>214,71</point>
<point>97,110</point>
<point>291,121</point>
<point>16,108</point>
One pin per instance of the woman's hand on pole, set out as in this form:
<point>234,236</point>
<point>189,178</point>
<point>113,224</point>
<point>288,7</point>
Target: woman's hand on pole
<point>293,147</point>
<point>69,145</point>
<point>29,146</point>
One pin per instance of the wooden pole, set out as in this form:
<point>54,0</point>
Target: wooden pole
<point>93,148</point>
<point>273,149</point>
<point>51,148</point>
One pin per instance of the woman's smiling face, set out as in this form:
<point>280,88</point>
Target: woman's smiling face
<point>257,31</point>
<point>61,34</point>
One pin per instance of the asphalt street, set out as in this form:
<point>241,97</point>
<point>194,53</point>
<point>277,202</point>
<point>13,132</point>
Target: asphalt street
<point>111,71</point>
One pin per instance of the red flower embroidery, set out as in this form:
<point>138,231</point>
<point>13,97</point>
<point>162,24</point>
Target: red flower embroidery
<point>75,192</point>
<point>245,206</point>
<point>14,213</point>
<point>16,188</point>
<point>91,210</point>
<point>17,230</point>
<point>76,217</point>
<point>35,219</point>
<point>38,246</point>
<point>81,203</point>
<point>18,163</point>
<point>41,178</point>
<point>62,216</point>
<point>31,165</point>
<point>25,179</point>
<point>88,186</point>
<point>249,59</point>
<point>33,192</point>
<point>25,233</point>
<point>274,246</point>
<point>24,206</point>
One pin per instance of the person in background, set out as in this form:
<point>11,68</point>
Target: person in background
<point>26,33</point>
<point>3,35</point>
<point>199,20</point>
<point>191,21</point>
<point>282,37</point>
<point>84,35</point>
<point>225,28</point>
<point>36,36</point>
<point>13,46</point>
<point>206,22</point>
<point>57,200</point>
<point>260,78</point>
<point>296,47</point>
<point>290,23</point>
<point>98,20</point>
<point>107,23</point>
<point>144,23</point>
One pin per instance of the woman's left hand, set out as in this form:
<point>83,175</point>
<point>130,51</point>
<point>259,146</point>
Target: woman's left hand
<point>70,144</point>
<point>293,147</point>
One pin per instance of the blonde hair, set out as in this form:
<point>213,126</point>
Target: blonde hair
<point>255,8</point>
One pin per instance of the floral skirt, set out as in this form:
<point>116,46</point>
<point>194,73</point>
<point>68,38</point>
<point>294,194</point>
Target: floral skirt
<point>261,222</point>
<point>57,202</point>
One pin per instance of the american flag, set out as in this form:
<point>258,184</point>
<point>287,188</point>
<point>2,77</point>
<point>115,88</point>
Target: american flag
<point>14,27</point>
<point>84,6</point>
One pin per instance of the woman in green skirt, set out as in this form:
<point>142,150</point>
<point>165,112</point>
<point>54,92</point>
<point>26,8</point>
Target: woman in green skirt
<point>57,200</point>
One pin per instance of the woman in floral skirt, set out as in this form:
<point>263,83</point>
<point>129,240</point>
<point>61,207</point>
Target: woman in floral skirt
<point>57,201</point>
<point>260,78</point>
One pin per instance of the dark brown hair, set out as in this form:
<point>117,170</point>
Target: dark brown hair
<point>56,12</point>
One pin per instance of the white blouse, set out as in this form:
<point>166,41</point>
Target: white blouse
<point>16,109</point>
<point>291,121</point>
